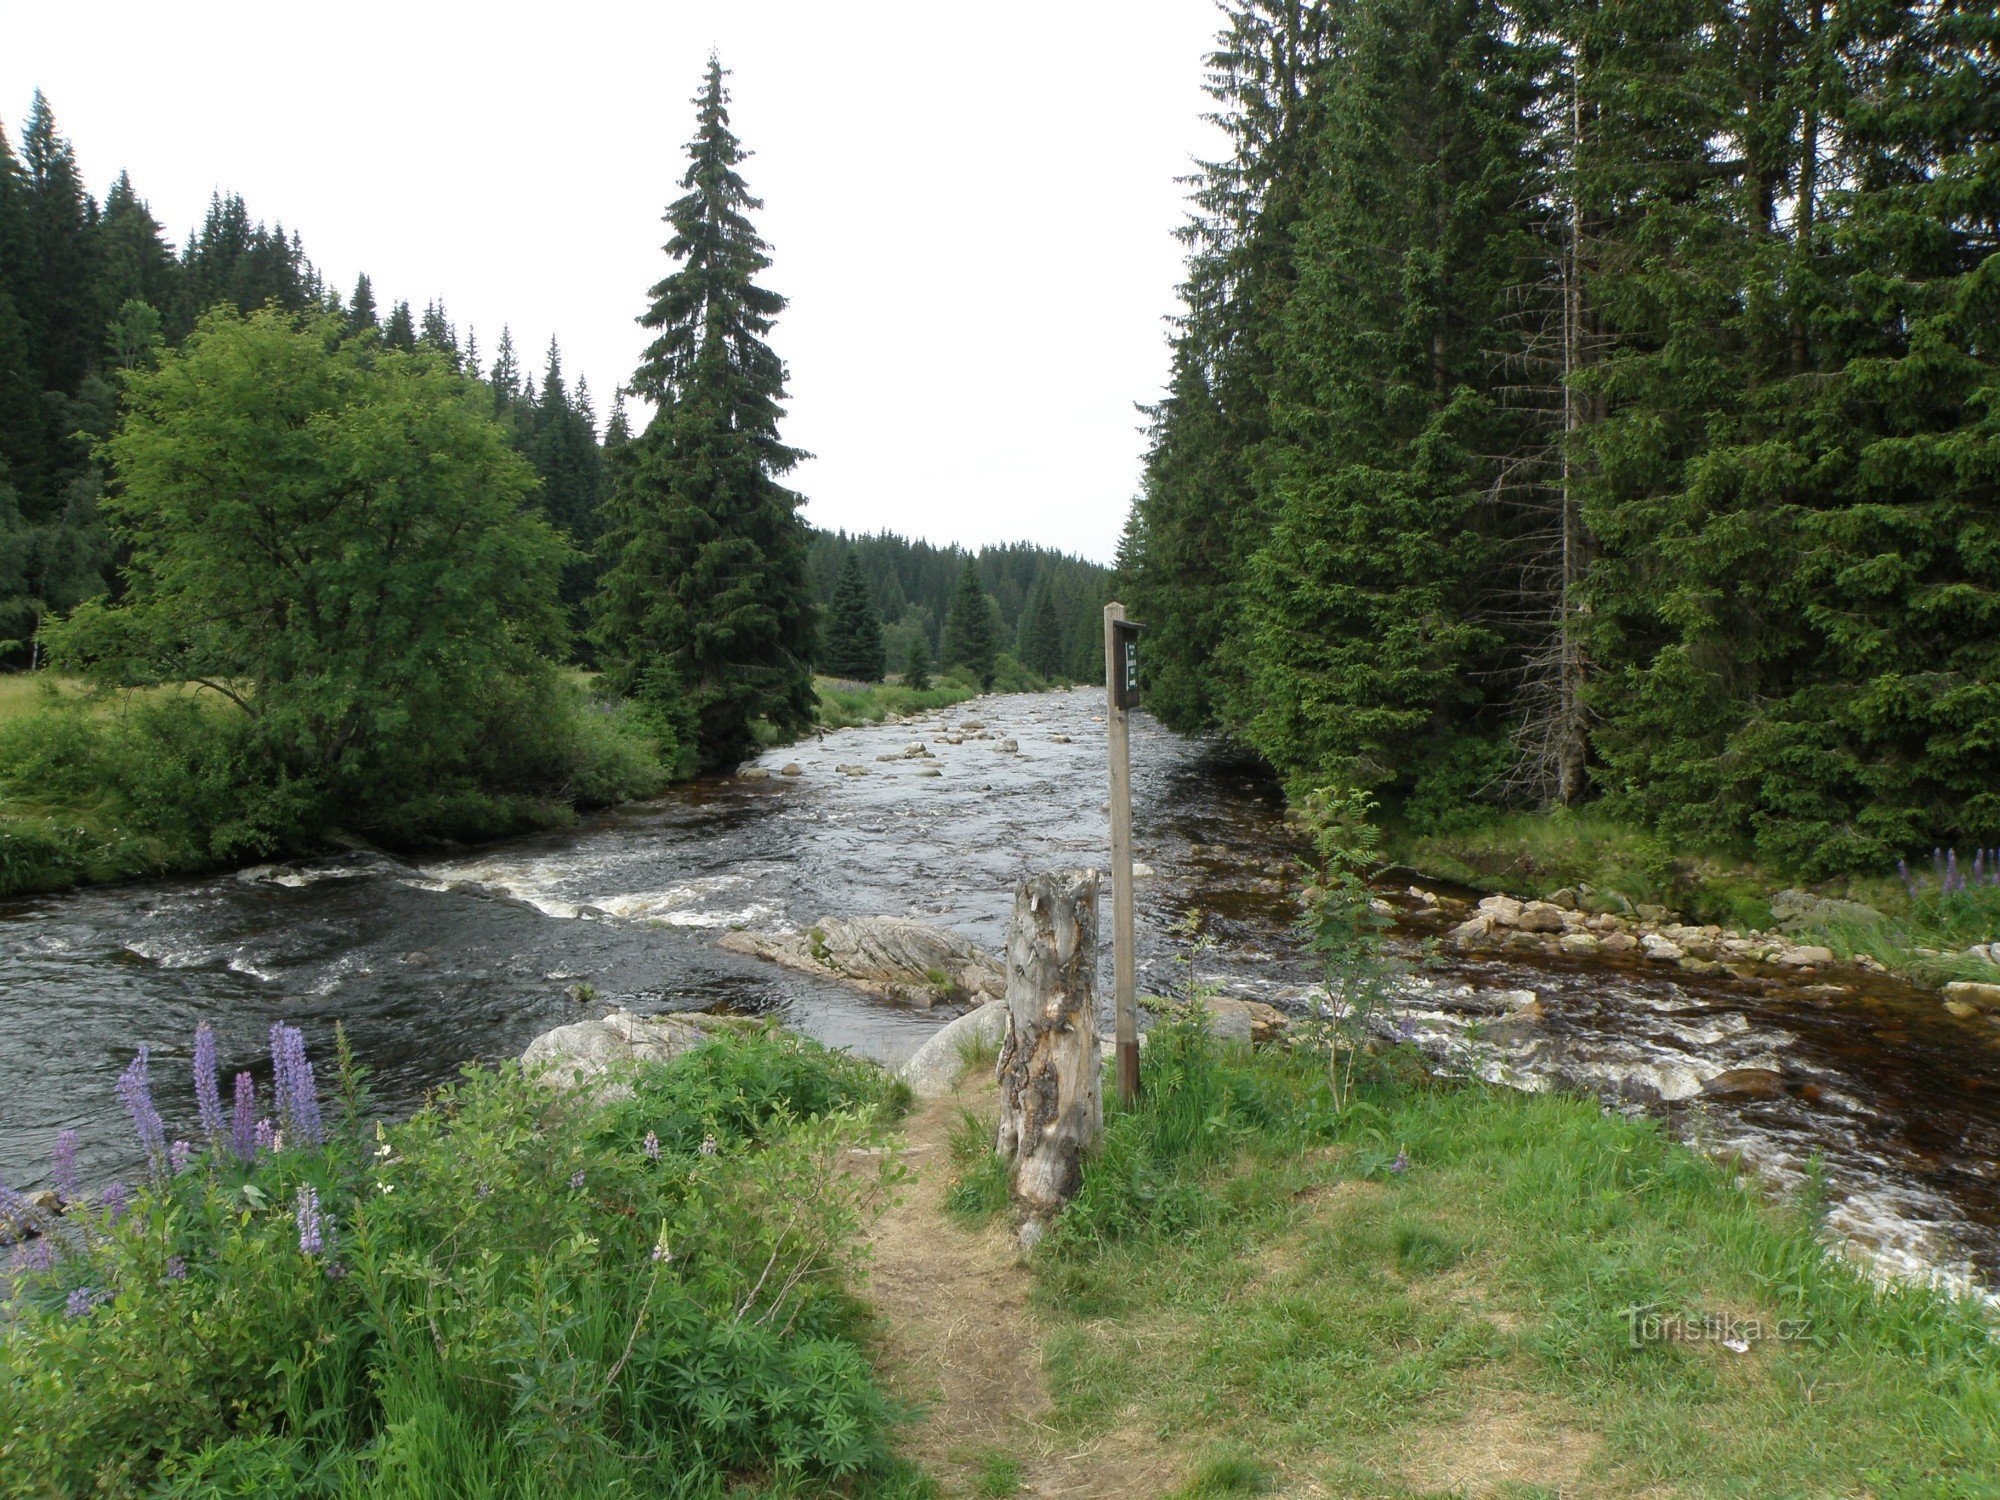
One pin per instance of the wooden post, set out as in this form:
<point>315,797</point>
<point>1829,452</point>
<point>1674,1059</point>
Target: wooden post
<point>1125,973</point>
<point>1051,1110</point>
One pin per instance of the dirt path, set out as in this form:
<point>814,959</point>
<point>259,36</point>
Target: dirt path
<point>961,1345</point>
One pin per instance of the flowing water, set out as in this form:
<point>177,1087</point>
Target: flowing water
<point>432,962</point>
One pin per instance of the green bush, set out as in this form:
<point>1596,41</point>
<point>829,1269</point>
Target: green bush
<point>517,1292</point>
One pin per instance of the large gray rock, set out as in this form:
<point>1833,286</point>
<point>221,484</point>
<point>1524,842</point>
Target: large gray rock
<point>933,1068</point>
<point>898,957</point>
<point>1802,911</point>
<point>584,1053</point>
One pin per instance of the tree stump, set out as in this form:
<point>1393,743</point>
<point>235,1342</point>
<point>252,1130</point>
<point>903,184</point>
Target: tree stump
<point>1051,1110</point>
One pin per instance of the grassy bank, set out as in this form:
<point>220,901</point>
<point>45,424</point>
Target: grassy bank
<point>843,704</point>
<point>118,784</point>
<point>519,1292</point>
<point>1445,1290</point>
<point>1920,929</point>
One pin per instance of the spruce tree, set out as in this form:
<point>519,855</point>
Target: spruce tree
<point>361,306</point>
<point>971,639</point>
<point>1040,642</point>
<point>400,332</point>
<point>917,664</point>
<point>705,591</point>
<point>853,632</point>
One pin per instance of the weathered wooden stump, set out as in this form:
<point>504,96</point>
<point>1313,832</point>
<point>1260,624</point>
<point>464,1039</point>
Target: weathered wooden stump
<point>1051,1110</point>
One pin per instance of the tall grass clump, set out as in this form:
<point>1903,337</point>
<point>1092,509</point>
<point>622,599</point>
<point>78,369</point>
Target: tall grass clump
<point>520,1291</point>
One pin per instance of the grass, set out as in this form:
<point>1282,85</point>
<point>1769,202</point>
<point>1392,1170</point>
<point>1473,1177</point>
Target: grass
<point>843,705</point>
<point>1244,1263</point>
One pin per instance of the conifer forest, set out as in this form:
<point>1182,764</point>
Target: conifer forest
<point>1595,403</point>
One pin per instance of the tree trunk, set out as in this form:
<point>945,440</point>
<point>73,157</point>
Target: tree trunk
<point>1051,1110</point>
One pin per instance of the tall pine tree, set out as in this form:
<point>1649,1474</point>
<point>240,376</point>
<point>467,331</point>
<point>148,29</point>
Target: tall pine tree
<point>705,592</point>
<point>853,646</point>
<point>971,635</point>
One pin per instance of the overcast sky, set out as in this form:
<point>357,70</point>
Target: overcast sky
<point>971,208</point>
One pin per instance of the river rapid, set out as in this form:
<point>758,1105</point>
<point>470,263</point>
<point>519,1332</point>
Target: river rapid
<point>432,962</point>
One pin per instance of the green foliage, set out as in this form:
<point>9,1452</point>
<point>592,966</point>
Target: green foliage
<point>1617,383</point>
<point>978,1190</point>
<point>853,635</point>
<point>971,634</point>
<point>841,706</point>
<point>516,1292</point>
<point>364,587</point>
<point>917,665</point>
<point>705,555</point>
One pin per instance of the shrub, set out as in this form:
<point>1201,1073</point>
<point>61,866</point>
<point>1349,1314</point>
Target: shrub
<point>517,1291</point>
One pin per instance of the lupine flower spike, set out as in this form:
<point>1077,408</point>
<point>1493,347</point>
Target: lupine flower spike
<point>310,1240</point>
<point>136,1093</point>
<point>243,1119</point>
<point>207,1099</point>
<point>62,1166</point>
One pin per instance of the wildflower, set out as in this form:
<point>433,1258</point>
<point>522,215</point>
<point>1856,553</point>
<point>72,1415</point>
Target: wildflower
<point>36,1255</point>
<point>136,1093</point>
<point>292,1080</point>
<point>62,1166</point>
<point>1402,1162</point>
<point>662,1251</point>
<point>180,1156</point>
<point>307,1213</point>
<point>207,1101</point>
<point>708,1145</point>
<point>243,1119</point>
<point>266,1138</point>
<point>112,1200</point>
<point>176,1268</point>
<point>80,1302</point>
<point>576,1180</point>
<point>652,1146</point>
<point>334,1269</point>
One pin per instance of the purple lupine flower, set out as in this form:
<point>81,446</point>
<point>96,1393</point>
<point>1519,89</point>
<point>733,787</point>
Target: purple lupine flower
<point>16,1212</point>
<point>292,1078</point>
<point>136,1093</point>
<point>267,1138</point>
<point>1951,878</point>
<point>176,1268</point>
<point>113,1201</point>
<point>37,1255</point>
<point>207,1099</point>
<point>1402,1162</point>
<point>652,1144</point>
<point>310,1240</point>
<point>243,1119</point>
<point>334,1269</point>
<point>62,1165</point>
<point>180,1156</point>
<point>576,1180</point>
<point>80,1302</point>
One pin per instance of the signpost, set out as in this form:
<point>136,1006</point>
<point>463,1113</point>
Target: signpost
<point>1121,693</point>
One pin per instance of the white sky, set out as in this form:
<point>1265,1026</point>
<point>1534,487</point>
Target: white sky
<point>971,208</point>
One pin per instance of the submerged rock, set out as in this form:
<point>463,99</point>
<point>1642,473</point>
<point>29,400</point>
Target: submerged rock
<point>1974,995</point>
<point>1745,1083</point>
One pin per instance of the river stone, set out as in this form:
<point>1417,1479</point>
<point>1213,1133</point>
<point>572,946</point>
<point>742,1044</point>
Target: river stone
<point>934,1068</point>
<point>1809,956</point>
<point>1617,942</point>
<point>929,771</point>
<point>753,773</point>
<point>1247,1021</point>
<point>1539,916</point>
<point>850,770</point>
<point>897,957</point>
<point>1141,870</point>
<point>1473,931</point>
<point>580,1054</point>
<point>1979,996</point>
<point>1565,898</point>
<point>1580,944</point>
<point>1008,746</point>
<point>1662,949</point>
<point>791,768</point>
<point>1745,1083</point>
<point>1795,910</point>
<point>1502,911</point>
<point>1606,904</point>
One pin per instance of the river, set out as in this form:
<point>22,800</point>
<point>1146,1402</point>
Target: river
<point>435,961</point>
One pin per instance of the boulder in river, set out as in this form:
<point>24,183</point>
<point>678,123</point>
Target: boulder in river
<point>933,1068</point>
<point>1810,956</point>
<point>791,768</point>
<point>1538,916</point>
<point>1232,1020</point>
<point>580,1054</point>
<point>897,957</point>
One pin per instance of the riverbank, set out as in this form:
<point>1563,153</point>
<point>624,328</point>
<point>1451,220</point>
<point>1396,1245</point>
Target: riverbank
<point>1437,1288</point>
<point>1928,925</point>
<point>1445,1288</point>
<point>123,785</point>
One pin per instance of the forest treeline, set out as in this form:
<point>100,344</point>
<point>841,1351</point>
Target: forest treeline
<point>331,565</point>
<point>1596,399</point>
